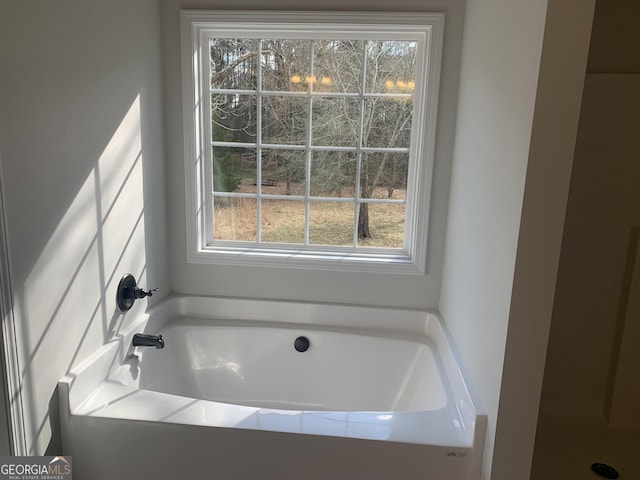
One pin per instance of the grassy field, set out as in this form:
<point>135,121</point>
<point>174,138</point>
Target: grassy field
<point>330,223</point>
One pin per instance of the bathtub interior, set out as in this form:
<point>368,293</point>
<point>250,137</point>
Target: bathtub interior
<point>429,403</point>
<point>259,366</point>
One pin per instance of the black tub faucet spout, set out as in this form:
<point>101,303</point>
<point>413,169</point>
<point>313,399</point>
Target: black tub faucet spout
<point>146,340</point>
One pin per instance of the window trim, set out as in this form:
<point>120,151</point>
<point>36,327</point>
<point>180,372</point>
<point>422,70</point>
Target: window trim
<point>424,27</point>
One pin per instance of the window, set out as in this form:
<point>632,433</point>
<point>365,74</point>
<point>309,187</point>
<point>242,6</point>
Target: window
<point>309,138</point>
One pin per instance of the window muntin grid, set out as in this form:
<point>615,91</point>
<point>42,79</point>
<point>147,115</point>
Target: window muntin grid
<point>300,100</point>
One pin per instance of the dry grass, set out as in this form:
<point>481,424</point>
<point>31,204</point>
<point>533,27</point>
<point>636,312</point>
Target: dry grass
<point>330,223</point>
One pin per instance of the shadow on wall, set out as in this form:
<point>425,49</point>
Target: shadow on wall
<point>66,306</point>
<point>55,444</point>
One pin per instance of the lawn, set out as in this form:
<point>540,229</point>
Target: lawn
<point>330,223</point>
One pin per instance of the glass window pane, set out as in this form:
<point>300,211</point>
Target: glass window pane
<point>384,175</point>
<point>233,118</point>
<point>333,174</point>
<point>385,225</point>
<point>335,122</point>
<point>233,63</point>
<point>391,66</point>
<point>283,172</point>
<point>331,223</point>
<point>282,221</point>
<point>286,65</point>
<point>234,169</point>
<point>284,120</point>
<point>387,123</point>
<point>337,65</point>
<point>235,219</point>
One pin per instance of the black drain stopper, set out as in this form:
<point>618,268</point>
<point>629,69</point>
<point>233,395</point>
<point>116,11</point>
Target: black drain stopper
<point>301,344</point>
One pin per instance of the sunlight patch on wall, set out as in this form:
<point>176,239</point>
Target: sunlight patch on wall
<point>69,294</point>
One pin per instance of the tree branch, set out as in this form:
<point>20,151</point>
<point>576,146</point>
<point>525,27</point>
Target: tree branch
<point>226,71</point>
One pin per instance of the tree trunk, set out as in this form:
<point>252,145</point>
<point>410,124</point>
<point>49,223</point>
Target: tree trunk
<point>363,222</point>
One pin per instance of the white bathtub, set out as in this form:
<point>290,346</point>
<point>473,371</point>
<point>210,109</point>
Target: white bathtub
<point>377,395</point>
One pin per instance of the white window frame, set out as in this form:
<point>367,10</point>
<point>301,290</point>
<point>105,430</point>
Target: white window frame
<point>425,28</point>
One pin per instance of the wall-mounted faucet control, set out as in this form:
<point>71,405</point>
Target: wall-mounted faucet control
<point>128,292</point>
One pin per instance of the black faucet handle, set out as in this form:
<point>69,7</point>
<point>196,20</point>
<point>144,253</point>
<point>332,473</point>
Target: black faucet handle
<point>140,293</point>
<point>128,292</point>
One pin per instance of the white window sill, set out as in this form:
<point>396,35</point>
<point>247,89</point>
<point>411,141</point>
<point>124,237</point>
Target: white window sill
<point>392,261</point>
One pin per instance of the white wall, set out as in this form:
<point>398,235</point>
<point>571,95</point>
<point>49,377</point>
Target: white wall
<point>603,208</point>
<point>553,139</point>
<point>521,78</point>
<point>83,171</point>
<point>596,265</point>
<point>341,287</point>
<point>499,71</point>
